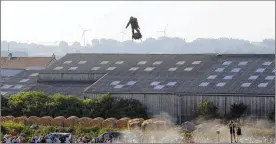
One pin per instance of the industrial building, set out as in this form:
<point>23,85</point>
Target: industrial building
<point>164,83</point>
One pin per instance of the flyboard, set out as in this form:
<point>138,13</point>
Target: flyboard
<point>137,36</point>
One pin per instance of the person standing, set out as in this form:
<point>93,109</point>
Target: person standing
<point>232,130</point>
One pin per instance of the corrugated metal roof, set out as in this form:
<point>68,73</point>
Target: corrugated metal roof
<point>25,62</point>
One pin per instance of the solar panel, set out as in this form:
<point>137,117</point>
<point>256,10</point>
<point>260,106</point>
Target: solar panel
<point>110,68</point>
<point>172,69</point>
<point>18,86</point>
<point>171,83</point>
<point>236,70</point>
<point>267,63</point>
<point>58,68</point>
<point>220,84</point>
<point>253,77</point>
<point>104,62</point>
<point>130,83</point>
<point>72,68</point>
<point>203,84</point>
<point>245,84</point>
<point>159,87</point>
<point>219,70</point>
<point>243,63</point>
<point>260,70</point>
<point>269,78</point>
<point>154,83</point>
<point>228,77</point>
<point>142,62</point>
<point>82,62</point>
<point>196,62</point>
<point>24,80</point>
<point>262,84</point>
<point>67,62</point>
<point>157,62</point>
<point>212,77</point>
<point>119,62</point>
<point>3,93</point>
<point>95,68</point>
<point>34,74</point>
<point>188,69</point>
<point>149,69</point>
<point>115,82</point>
<point>180,62</point>
<point>227,63</point>
<point>133,68</point>
<point>118,86</point>
<point>6,86</point>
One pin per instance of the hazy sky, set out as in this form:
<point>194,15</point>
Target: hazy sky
<point>54,21</point>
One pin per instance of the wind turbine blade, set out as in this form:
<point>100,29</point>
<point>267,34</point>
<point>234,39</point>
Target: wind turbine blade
<point>119,33</point>
<point>166,27</point>
<point>81,27</point>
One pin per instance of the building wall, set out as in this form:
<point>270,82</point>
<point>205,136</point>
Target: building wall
<point>258,106</point>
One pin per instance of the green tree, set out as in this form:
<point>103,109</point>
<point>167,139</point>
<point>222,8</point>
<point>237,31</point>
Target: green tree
<point>5,110</point>
<point>206,110</point>
<point>237,110</point>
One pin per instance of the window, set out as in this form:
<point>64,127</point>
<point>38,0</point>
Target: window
<point>212,77</point>
<point>134,68</point>
<point>260,70</point>
<point>142,62</point>
<point>118,86</point>
<point>180,62</point>
<point>245,84</point>
<point>219,70</point>
<point>196,62</point>
<point>130,83</point>
<point>236,70</point>
<point>119,62</point>
<point>157,63</point>
<point>220,84</point>
<point>34,74</point>
<point>3,93</point>
<point>228,77</point>
<point>58,68</point>
<point>243,63</point>
<point>262,84</point>
<point>24,80</point>
<point>72,68</point>
<point>171,83</point>
<point>6,86</point>
<point>115,82</point>
<point>18,86</point>
<point>203,84</point>
<point>253,77</point>
<point>104,62</point>
<point>227,63</point>
<point>269,78</point>
<point>110,68</point>
<point>267,63</point>
<point>67,62</point>
<point>149,69</point>
<point>154,83</point>
<point>172,69</point>
<point>95,68</point>
<point>82,62</point>
<point>188,69</point>
<point>159,87</point>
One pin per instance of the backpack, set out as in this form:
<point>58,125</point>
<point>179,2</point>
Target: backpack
<point>239,131</point>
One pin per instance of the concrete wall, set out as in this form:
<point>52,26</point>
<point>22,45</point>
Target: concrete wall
<point>258,106</point>
<point>68,77</point>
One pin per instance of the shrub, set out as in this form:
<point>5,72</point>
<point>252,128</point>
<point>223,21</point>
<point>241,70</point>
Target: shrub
<point>237,110</point>
<point>206,110</point>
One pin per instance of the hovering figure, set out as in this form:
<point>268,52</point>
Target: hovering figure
<point>134,26</point>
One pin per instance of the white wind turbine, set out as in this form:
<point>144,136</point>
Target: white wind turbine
<point>83,34</point>
<point>122,33</point>
<point>164,31</point>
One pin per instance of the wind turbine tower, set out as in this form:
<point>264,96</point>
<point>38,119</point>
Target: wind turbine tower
<point>122,33</point>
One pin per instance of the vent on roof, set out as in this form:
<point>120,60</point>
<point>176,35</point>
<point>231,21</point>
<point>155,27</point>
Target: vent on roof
<point>245,84</point>
<point>18,86</point>
<point>203,84</point>
<point>115,82</point>
<point>260,70</point>
<point>118,86</point>
<point>171,83</point>
<point>228,77</point>
<point>172,69</point>
<point>95,68</point>
<point>243,63</point>
<point>6,86</point>
<point>188,69</point>
<point>180,63</point>
<point>67,62</point>
<point>212,77</point>
<point>227,63</point>
<point>253,77</point>
<point>149,69</point>
<point>154,83</point>
<point>142,62</point>
<point>159,87</point>
<point>130,83</point>
<point>219,70</point>
<point>72,68</point>
<point>34,74</point>
<point>58,68</point>
<point>104,62</point>
<point>236,70</point>
<point>262,84</point>
<point>267,63</point>
<point>119,62</point>
<point>24,80</point>
<point>110,68</point>
<point>133,68</point>
<point>196,62</point>
<point>269,78</point>
<point>82,62</point>
<point>157,63</point>
<point>220,84</point>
